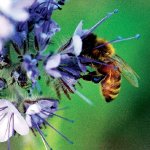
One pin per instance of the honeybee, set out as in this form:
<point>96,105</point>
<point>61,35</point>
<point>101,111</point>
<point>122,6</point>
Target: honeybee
<point>109,73</point>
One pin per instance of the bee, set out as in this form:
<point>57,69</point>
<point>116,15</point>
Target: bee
<point>19,75</point>
<point>108,74</point>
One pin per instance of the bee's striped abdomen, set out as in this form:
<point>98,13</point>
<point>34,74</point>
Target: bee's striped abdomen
<point>110,85</point>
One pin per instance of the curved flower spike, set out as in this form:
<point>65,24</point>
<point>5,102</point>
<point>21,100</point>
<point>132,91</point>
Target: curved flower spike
<point>10,121</point>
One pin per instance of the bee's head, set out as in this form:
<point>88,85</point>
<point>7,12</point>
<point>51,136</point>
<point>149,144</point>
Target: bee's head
<point>88,44</point>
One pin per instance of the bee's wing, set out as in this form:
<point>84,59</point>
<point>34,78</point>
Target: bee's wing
<point>127,71</point>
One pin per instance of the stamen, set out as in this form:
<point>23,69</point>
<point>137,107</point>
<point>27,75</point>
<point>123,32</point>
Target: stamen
<point>8,144</point>
<point>119,39</point>
<point>100,22</point>
<point>81,95</point>
<point>66,119</point>
<point>84,97</point>
<point>72,121</point>
<point>42,135</point>
<point>70,142</point>
<point>59,109</point>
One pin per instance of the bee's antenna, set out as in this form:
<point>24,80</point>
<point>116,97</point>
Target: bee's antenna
<point>101,21</point>
<point>119,39</point>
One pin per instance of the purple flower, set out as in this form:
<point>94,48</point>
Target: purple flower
<point>30,66</point>
<point>20,36</point>
<point>64,67</point>
<point>44,31</point>
<point>51,65</point>
<point>37,112</point>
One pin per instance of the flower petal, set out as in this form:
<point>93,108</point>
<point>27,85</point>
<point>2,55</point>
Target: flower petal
<point>53,62</point>
<point>28,120</point>
<point>33,109</point>
<point>19,15</point>
<point>78,30</point>
<point>77,44</point>
<point>11,119</point>
<point>6,127</point>
<point>54,73</point>
<point>9,28</point>
<point>20,125</point>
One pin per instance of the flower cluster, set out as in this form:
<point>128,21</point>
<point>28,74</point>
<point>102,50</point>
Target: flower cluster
<point>35,116</point>
<point>24,60</point>
<point>11,13</point>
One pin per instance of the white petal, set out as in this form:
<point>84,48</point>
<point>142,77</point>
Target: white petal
<point>9,28</point>
<point>54,73</point>
<point>13,116</point>
<point>33,109</point>
<point>77,44</point>
<point>6,127</point>
<point>20,125</point>
<point>19,15</point>
<point>28,120</point>
<point>78,30</point>
<point>24,3</point>
<point>16,9</point>
<point>53,62</point>
<point>5,5</point>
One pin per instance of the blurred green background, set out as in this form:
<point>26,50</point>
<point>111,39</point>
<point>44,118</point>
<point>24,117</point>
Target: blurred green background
<point>123,124</point>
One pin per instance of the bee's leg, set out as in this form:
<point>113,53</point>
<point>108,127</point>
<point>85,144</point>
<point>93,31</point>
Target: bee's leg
<point>98,78</point>
<point>88,77</point>
<point>93,76</point>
